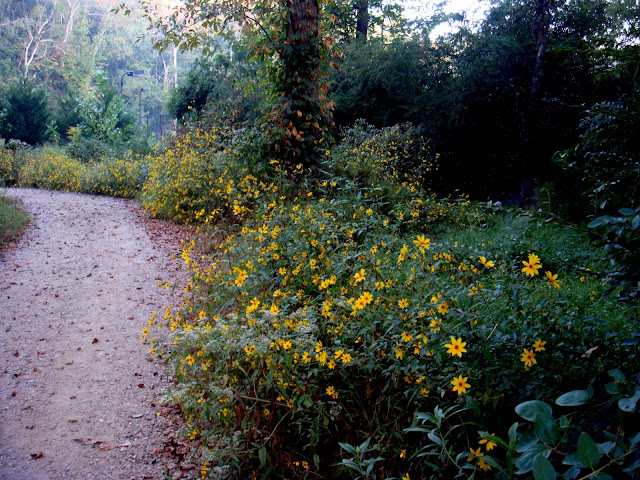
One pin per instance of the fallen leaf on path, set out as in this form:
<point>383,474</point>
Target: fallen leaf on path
<point>37,455</point>
<point>95,340</point>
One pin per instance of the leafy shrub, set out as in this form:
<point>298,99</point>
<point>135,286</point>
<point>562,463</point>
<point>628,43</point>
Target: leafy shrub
<point>606,156</point>
<point>202,175</point>
<point>50,167</point>
<point>331,314</point>
<point>24,114</point>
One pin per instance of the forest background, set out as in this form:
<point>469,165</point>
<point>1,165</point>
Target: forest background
<point>376,205</point>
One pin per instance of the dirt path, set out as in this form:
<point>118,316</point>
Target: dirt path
<point>78,391</point>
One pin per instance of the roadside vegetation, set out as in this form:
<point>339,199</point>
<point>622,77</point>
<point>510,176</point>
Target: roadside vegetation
<point>12,221</point>
<point>416,258</point>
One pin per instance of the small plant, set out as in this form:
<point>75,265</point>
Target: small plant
<point>358,463</point>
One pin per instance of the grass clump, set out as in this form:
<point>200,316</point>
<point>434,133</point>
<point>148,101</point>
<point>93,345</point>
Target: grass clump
<point>12,221</point>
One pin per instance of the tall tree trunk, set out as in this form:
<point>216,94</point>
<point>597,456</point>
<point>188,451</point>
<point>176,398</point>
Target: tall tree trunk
<point>362,20</point>
<point>301,56</point>
<point>541,35</point>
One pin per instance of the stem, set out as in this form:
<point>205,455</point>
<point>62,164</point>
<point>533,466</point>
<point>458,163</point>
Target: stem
<point>611,462</point>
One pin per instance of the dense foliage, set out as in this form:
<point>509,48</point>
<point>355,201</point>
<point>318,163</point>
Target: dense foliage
<point>357,307</point>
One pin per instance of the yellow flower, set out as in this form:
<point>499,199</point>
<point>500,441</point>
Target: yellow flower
<point>403,453</point>
<point>406,477</point>
<point>242,276</point>
<point>422,243</point>
<point>403,253</point>
<point>306,358</point>
<point>528,358</point>
<point>359,276</point>
<point>332,364</point>
<point>460,384</point>
<point>474,454</point>
<point>483,465</point>
<point>249,349</point>
<point>443,308</point>
<point>487,264</point>
<point>332,392</point>
<point>553,279</point>
<point>406,337</point>
<point>190,360</point>
<point>322,357</point>
<point>346,358</point>
<point>456,347</point>
<point>424,392</point>
<point>274,309</point>
<point>488,443</point>
<point>403,303</point>
<point>399,353</point>
<point>286,344</point>
<point>532,266</point>
<point>539,345</point>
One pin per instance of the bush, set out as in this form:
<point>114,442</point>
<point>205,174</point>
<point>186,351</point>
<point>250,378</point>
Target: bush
<point>24,114</point>
<point>12,221</point>
<point>50,167</point>
<point>332,314</point>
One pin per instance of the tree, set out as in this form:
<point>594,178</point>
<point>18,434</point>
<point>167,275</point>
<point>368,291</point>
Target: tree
<point>24,114</point>
<point>291,43</point>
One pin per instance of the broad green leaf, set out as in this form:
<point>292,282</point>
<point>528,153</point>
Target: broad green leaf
<point>529,410</point>
<point>627,212</point>
<point>573,398</point>
<point>546,429</point>
<point>628,404</point>
<point>524,462</point>
<point>528,439</point>
<point>635,223</point>
<point>612,388</point>
<point>542,469</point>
<point>617,375</point>
<point>588,451</point>
<point>599,221</point>
<point>573,459</point>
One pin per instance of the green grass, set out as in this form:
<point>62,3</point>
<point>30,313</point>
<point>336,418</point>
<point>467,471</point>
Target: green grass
<point>12,221</point>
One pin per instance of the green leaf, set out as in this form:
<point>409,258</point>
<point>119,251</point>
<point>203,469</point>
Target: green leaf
<point>612,388</point>
<point>529,410</point>
<point>617,375</point>
<point>627,212</point>
<point>546,429</point>
<point>513,434</point>
<point>602,476</point>
<point>628,404</point>
<point>573,459</point>
<point>635,223</point>
<point>524,462</point>
<point>349,448</point>
<point>599,221</point>
<point>542,469</point>
<point>262,456</point>
<point>526,441</point>
<point>573,398</point>
<point>588,451</point>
